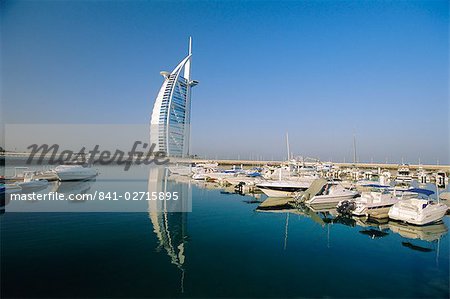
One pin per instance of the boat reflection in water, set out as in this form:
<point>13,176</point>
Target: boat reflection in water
<point>169,218</point>
<point>73,187</point>
<point>374,229</point>
<point>323,217</point>
<point>427,233</point>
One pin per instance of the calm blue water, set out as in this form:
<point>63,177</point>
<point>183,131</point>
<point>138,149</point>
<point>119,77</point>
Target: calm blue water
<point>223,248</point>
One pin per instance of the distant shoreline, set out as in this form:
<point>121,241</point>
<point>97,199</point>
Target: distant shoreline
<point>228,162</point>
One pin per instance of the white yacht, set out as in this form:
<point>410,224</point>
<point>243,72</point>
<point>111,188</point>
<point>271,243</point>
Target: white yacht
<point>374,204</point>
<point>75,172</point>
<point>283,188</point>
<point>418,211</point>
<point>403,174</point>
<point>331,194</point>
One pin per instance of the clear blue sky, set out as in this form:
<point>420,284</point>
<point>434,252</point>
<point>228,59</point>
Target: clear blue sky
<point>321,70</point>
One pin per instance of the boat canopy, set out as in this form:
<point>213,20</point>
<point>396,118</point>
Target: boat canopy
<point>421,191</point>
<point>376,186</point>
<point>254,174</point>
<point>316,186</point>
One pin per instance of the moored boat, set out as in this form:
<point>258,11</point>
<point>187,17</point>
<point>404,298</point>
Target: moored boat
<point>75,172</point>
<point>31,183</point>
<point>331,193</point>
<point>418,211</point>
<point>374,204</point>
<point>282,188</point>
<point>403,174</point>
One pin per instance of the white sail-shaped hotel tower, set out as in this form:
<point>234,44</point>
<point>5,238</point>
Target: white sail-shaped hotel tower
<point>170,122</point>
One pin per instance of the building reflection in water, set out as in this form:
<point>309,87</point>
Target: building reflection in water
<point>168,217</point>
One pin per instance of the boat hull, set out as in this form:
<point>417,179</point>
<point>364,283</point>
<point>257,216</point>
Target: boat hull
<point>75,177</point>
<point>374,212</point>
<point>277,193</point>
<point>329,199</point>
<point>272,191</point>
<point>429,217</point>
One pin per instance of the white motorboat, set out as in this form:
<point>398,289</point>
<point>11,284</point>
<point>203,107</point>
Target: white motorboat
<point>30,182</point>
<point>403,174</point>
<point>200,176</point>
<point>331,194</point>
<point>283,188</point>
<point>181,170</point>
<point>418,211</point>
<point>374,204</point>
<point>75,172</point>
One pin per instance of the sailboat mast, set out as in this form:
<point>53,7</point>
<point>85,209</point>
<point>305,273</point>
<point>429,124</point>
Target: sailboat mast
<point>287,145</point>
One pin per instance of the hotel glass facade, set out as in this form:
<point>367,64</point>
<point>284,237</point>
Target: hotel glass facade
<point>170,122</point>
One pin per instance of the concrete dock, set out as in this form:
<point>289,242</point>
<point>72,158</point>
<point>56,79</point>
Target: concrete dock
<point>249,163</point>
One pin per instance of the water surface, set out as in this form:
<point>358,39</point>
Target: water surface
<point>223,248</point>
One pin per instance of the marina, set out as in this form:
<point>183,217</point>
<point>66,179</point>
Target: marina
<point>224,149</point>
<point>311,184</point>
<point>232,234</point>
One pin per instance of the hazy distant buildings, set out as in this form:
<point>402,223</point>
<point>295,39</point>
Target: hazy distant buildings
<point>170,121</point>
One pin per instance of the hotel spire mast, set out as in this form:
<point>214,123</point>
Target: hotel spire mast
<point>187,67</point>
